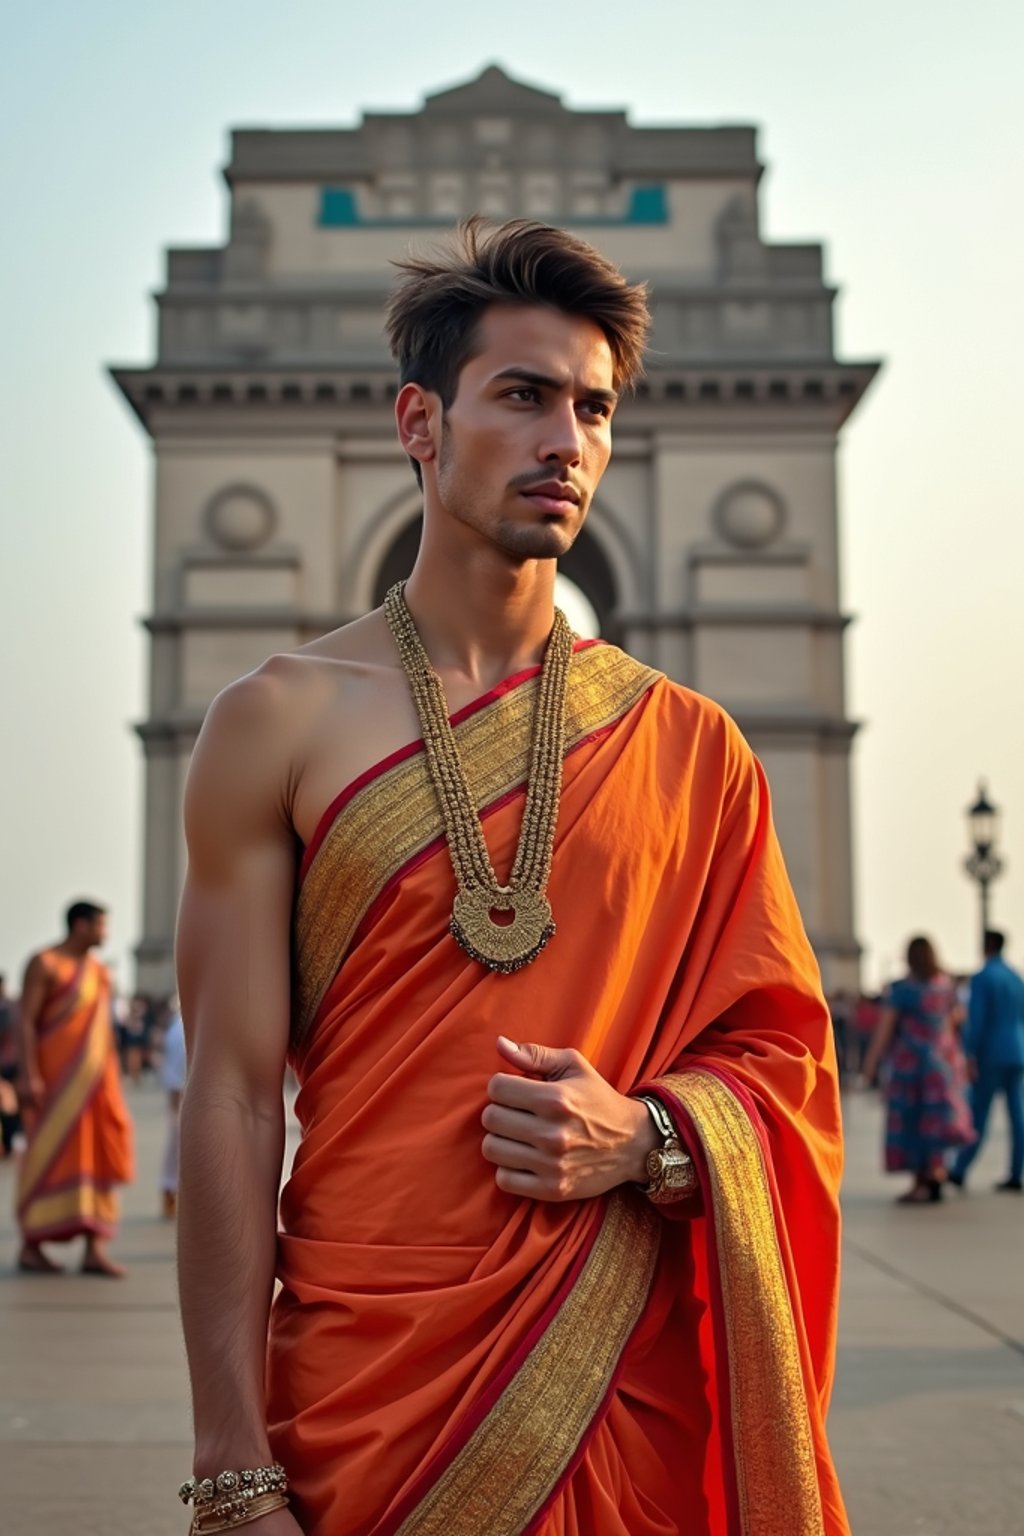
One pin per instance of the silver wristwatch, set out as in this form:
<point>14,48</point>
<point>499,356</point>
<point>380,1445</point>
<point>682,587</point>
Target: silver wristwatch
<point>670,1170</point>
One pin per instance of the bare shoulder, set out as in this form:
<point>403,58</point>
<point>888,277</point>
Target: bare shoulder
<point>42,964</point>
<point>40,975</point>
<point>273,703</point>
<point>240,765</point>
<point>265,709</point>
<point>275,741</point>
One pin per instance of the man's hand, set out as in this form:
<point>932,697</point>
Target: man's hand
<point>562,1133</point>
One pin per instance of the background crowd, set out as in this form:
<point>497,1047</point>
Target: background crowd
<point>942,1049</point>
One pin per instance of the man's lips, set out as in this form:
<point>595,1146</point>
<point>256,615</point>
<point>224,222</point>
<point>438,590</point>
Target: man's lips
<point>553,496</point>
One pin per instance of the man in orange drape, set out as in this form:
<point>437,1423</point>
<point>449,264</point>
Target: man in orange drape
<point>79,1134</point>
<point>558,1253</point>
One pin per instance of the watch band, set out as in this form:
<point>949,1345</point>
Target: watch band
<point>672,1174</point>
<point>660,1115</point>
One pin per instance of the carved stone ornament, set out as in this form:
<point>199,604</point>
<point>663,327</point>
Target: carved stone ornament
<point>240,518</point>
<point>749,514</point>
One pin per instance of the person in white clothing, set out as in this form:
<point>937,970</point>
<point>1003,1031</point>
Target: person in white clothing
<point>173,1071</point>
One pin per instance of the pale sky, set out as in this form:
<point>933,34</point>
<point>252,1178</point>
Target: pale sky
<point>890,132</point>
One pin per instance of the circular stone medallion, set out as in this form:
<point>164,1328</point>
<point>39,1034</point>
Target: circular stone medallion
<point>240,517</point>
<point>749,514</point>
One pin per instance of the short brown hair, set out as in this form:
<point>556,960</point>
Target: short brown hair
<point>433,313</point>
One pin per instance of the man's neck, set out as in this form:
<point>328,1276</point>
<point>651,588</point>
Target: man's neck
<point>76,948</point>
<point>482,617</point>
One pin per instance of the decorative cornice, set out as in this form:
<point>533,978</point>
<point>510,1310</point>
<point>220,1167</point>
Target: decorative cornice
<point>836,946</point>
<point>722,615</point>
<point>829,391</point>
<point>263,616</point>
<point>789,725</point>
<point>169,735</point>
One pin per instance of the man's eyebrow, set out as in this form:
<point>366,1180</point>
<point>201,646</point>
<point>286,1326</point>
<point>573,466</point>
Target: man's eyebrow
<point>545,381</point>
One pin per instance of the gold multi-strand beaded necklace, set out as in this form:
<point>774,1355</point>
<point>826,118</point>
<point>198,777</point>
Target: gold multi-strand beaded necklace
<point>501,946</point>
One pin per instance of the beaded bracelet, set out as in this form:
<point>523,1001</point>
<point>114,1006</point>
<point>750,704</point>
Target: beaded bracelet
<point>249,1484</point>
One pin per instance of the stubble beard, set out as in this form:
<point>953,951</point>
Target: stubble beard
<point>520,541</point>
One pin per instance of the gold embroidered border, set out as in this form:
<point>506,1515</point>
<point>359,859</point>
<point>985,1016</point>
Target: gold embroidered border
<point>774,1453</point>
<point>61,1115</point>
<point>84,1202</point>
<point>516,1455</point>
<point>396,815</point>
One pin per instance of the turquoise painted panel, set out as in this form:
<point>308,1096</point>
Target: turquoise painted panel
<point>339,210</point>
<point>648,205</point>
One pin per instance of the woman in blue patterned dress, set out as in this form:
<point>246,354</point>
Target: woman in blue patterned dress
<point>926,1091</point>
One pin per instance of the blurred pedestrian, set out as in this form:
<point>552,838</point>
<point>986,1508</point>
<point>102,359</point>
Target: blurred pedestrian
<point>926,1089</point>
<point>134,1058</point>
<point>173,1071</point>
<point>10,1121</point>
<point>79,1143</point>
<point>840,1007</point>
<point>866,1014</point>
<point>119,1020</point>
<point>994,1044</point>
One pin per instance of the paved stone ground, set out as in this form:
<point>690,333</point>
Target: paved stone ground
<point>928,1416</point>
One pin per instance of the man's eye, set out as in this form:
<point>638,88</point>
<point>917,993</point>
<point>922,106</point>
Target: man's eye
<point>598,408</point>
<point>524,392</point>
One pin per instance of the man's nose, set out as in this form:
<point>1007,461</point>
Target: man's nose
<point>562,439</point>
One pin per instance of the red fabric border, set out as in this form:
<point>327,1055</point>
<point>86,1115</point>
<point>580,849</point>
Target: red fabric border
<point>53,1013</point>
<point>691,1140</point>
<point>33,1193</point>
<point>471,1420</point>
<point>410,749</point>
<point>370,915</point>
<point>74,1226</point>
<point>585,1438</point>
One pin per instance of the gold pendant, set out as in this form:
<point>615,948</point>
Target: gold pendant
<point>502,947</point>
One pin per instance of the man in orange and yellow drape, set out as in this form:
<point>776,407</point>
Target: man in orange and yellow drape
<point>559,1250</point>
<point>79,1133</point>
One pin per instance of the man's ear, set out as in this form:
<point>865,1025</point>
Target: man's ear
<point>417,417</point>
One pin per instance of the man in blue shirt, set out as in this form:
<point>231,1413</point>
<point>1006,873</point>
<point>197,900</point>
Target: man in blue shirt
<point>994,1045</point>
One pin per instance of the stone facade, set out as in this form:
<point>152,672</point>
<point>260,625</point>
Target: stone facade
<point>284,506</point>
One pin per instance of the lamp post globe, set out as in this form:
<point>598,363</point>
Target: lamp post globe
<point>983,863</point>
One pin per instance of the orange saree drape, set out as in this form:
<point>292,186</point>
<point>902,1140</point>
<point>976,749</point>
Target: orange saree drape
<point>79,1141</point>
<point>445,1358</point>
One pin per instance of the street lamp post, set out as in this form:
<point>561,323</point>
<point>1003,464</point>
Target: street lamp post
<point>983,863</point>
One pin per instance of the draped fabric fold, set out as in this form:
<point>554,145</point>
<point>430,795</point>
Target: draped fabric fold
<point>447,1357</point>
<point>772,1479</point>
<point>80,1145</point>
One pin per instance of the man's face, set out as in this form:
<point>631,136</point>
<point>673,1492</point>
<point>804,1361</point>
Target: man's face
<point>528,436</point>
<point>93,929</point>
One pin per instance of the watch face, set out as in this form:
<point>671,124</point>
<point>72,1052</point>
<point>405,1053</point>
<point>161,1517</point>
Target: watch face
<point>680,1173</point>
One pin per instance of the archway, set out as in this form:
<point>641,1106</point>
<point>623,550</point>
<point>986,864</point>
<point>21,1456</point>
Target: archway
<point>585,567</point>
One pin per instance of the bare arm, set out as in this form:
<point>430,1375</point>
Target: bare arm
<point>233,977</point>
<point>33,996</point>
